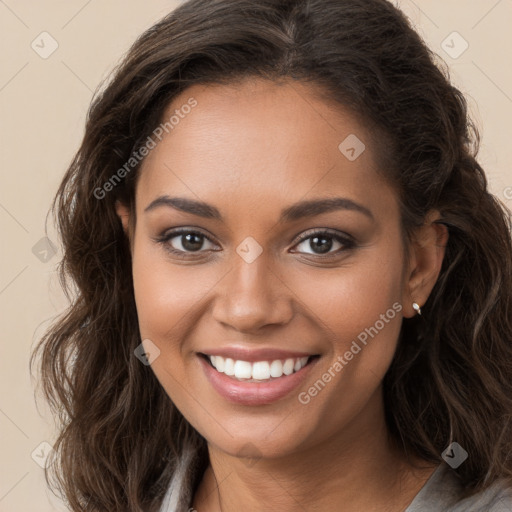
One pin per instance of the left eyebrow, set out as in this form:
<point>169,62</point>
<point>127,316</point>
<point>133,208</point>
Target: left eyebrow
<point>289,214</point>
<point>186,205</point>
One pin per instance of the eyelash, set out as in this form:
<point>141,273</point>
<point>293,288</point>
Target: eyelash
<point>346,241</point>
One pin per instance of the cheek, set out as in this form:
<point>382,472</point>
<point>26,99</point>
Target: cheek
<point>167,295</point>
<point>354,297</point>
<point>366,303</point>
<point>359,308</point>
<point>168,301</point>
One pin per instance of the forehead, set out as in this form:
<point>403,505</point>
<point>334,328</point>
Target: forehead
<point>261,141</point>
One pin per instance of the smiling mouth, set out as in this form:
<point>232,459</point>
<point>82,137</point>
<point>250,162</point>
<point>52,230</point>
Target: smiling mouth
<point>259,371</point>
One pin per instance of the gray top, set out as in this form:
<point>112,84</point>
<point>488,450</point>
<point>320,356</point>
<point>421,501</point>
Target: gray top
<point>441,493</point>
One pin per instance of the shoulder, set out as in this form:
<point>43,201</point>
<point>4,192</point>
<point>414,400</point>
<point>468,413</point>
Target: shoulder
<point>443,491</point>
<point>496,498</point>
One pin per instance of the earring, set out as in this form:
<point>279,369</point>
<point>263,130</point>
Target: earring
<point>416,308</point>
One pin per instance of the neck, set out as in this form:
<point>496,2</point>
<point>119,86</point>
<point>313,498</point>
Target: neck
<point>358,468</point>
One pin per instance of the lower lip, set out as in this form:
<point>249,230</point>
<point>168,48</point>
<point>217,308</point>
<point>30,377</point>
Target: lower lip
<point>254,393</point>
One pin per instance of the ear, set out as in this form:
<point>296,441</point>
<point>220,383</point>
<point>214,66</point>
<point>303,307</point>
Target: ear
<point>427,251</point>
<point>123,213</point>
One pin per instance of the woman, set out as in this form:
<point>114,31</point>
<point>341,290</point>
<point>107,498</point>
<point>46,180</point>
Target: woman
<point>292,288</point>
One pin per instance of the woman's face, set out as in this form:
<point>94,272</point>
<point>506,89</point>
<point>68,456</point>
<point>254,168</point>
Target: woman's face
<point>238,188</point>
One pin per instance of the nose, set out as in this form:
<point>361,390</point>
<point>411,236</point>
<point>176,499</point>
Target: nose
<point>252,296</point>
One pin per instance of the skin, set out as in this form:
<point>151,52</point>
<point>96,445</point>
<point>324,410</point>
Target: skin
<point>250,150</point>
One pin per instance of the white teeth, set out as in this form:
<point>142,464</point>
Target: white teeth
<point>220,364</point>
<point>260,370</point>
<point>288,366</point>
<point>229,366</point>
<point>299,363</point>
<point>243,369</point>
<point>276,369</point>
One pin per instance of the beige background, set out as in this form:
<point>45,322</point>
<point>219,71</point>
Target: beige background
<point>43,104</point>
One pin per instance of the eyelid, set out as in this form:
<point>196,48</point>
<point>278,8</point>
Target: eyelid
<point>172,232</point>
<point>324,231</point>
<point>169,234</point>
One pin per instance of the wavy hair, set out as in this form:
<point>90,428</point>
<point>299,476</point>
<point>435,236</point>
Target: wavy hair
<point>121,440</point>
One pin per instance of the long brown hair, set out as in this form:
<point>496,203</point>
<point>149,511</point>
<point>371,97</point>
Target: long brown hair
<point>121,438</point>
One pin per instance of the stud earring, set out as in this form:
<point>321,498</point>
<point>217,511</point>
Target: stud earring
<point>416,308</point>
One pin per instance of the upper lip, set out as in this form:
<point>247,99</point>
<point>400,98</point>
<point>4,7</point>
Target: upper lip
<point>253,355</point>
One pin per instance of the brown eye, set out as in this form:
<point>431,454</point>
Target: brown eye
<point>185,241</point>
<point>321,243</point>
<point>191,241</point>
